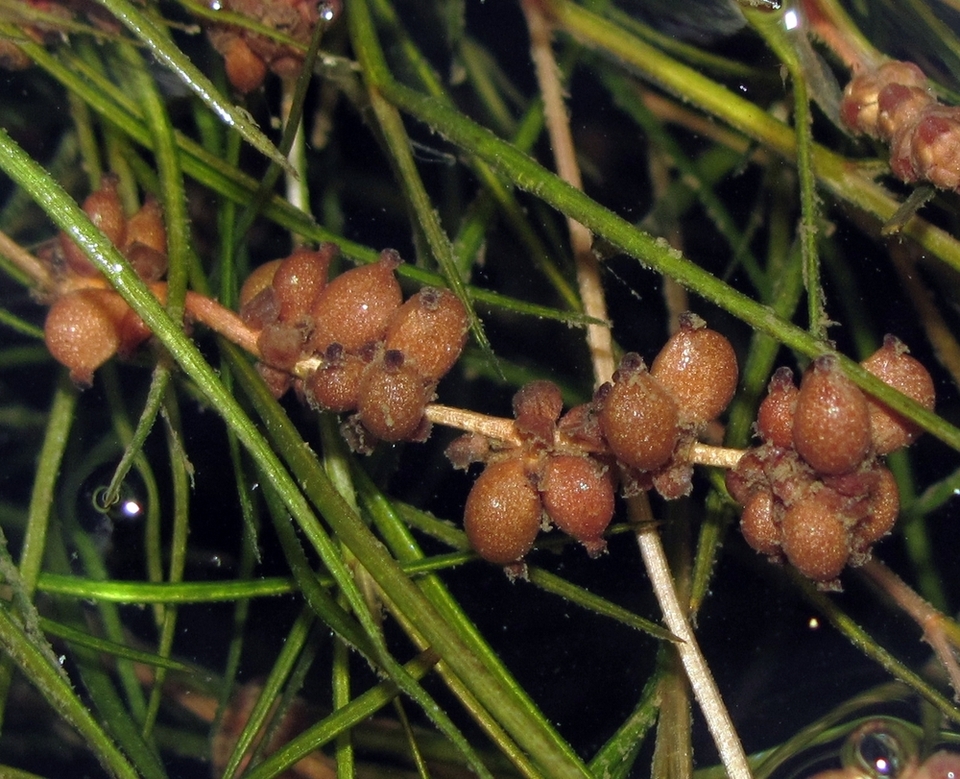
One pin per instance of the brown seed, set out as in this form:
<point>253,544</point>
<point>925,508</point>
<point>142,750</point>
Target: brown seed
<point>392,399</point>
<point>758,524</point>
<point>775,416</point>
<point>536,408</point>
<point>106,211</point>
<point>245,70</point>
<point>81,331</point>
<point>467,449</point>
<point>430,329</point>
<point>149,264</point>
<point>674,481</point>
<point>815,539</point>
<point>335,385</point>
<point>748,476</point>
<point>146,227</point>
<point>893,365</point>
<point>259,279</point>
<point>354,308</point>
<point>299,279</point>
<point>831,427</point>
<point>502,514</point>
<point>638,417</point>
<point>281,346</point>
<point>578,495</point>
<point>698,367</point>
<point>277,381</point>
<point>884,507</point>
<point>261,310</point>
<point>581,426</point>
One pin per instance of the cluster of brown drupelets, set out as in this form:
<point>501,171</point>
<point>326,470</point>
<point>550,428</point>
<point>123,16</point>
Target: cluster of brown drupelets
<point>895,104</point>
<point>248,55</point>
<point>636,432</point>
<point>815,492</point>
<point>353,344</point>
<point>88,324</point>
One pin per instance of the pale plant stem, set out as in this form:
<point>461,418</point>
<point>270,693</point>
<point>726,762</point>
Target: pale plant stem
<point>600,343</point>
<point>599,340</point>
<point>698,672</point>
<point>26,262</point>
<point>295,178</point>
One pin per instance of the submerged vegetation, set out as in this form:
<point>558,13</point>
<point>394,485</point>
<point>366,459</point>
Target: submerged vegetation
<point>623,470</point>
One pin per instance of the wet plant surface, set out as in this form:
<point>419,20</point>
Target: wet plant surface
<point>276,503</point>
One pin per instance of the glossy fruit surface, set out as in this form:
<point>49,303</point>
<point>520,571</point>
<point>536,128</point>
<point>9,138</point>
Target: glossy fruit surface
<point>502,514</point>
<point>430,329</point>
<point>815,539</point>
<point>392,399</point>
<point>578,495</point>
<point>831,427</point>
<point>353,310</point>
<point>698,367</point>
<point>81,331</point>
<point>639,418</point>
<point>893,365</point>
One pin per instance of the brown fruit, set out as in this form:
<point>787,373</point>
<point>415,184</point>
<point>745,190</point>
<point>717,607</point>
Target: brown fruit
<point>261,310</point>
<point>430,329</point>
<point>831,426</point>
<point>775,416</point>
<point>259,279</point>
<point>502,514</point>
<point>245,70</point>
<point>578,495</point>
<point>758,524</point>
<point>884,507</point>
<point>815,539</point>
<point>467,449</point>
<point>392,399</point>
<point>894,366</point>
<point>581,426</point>
<point>106,212</point>
<point>354,308</point>
<point>536,408</point>
<point>277,381</point>
<point>698,367</point>
<point>299,279</point>
<point>147,262</point>
<point>638,417</point>
<point>147,227</point>
<point>281,346</point>
<point>81,330</point>
<point>335,385</point>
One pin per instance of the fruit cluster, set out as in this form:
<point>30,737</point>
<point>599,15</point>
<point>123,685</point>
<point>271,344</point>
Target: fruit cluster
<point>248,55</point>
<point>635,432</point>
<point>815,492</point>
<point>87,325</point>
<point>894,103</point>
<point>353,344</point>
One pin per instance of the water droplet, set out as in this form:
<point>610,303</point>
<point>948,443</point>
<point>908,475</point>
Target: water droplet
<point>881,748</point>
<point>216,5</point>
<point>328,10</point>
